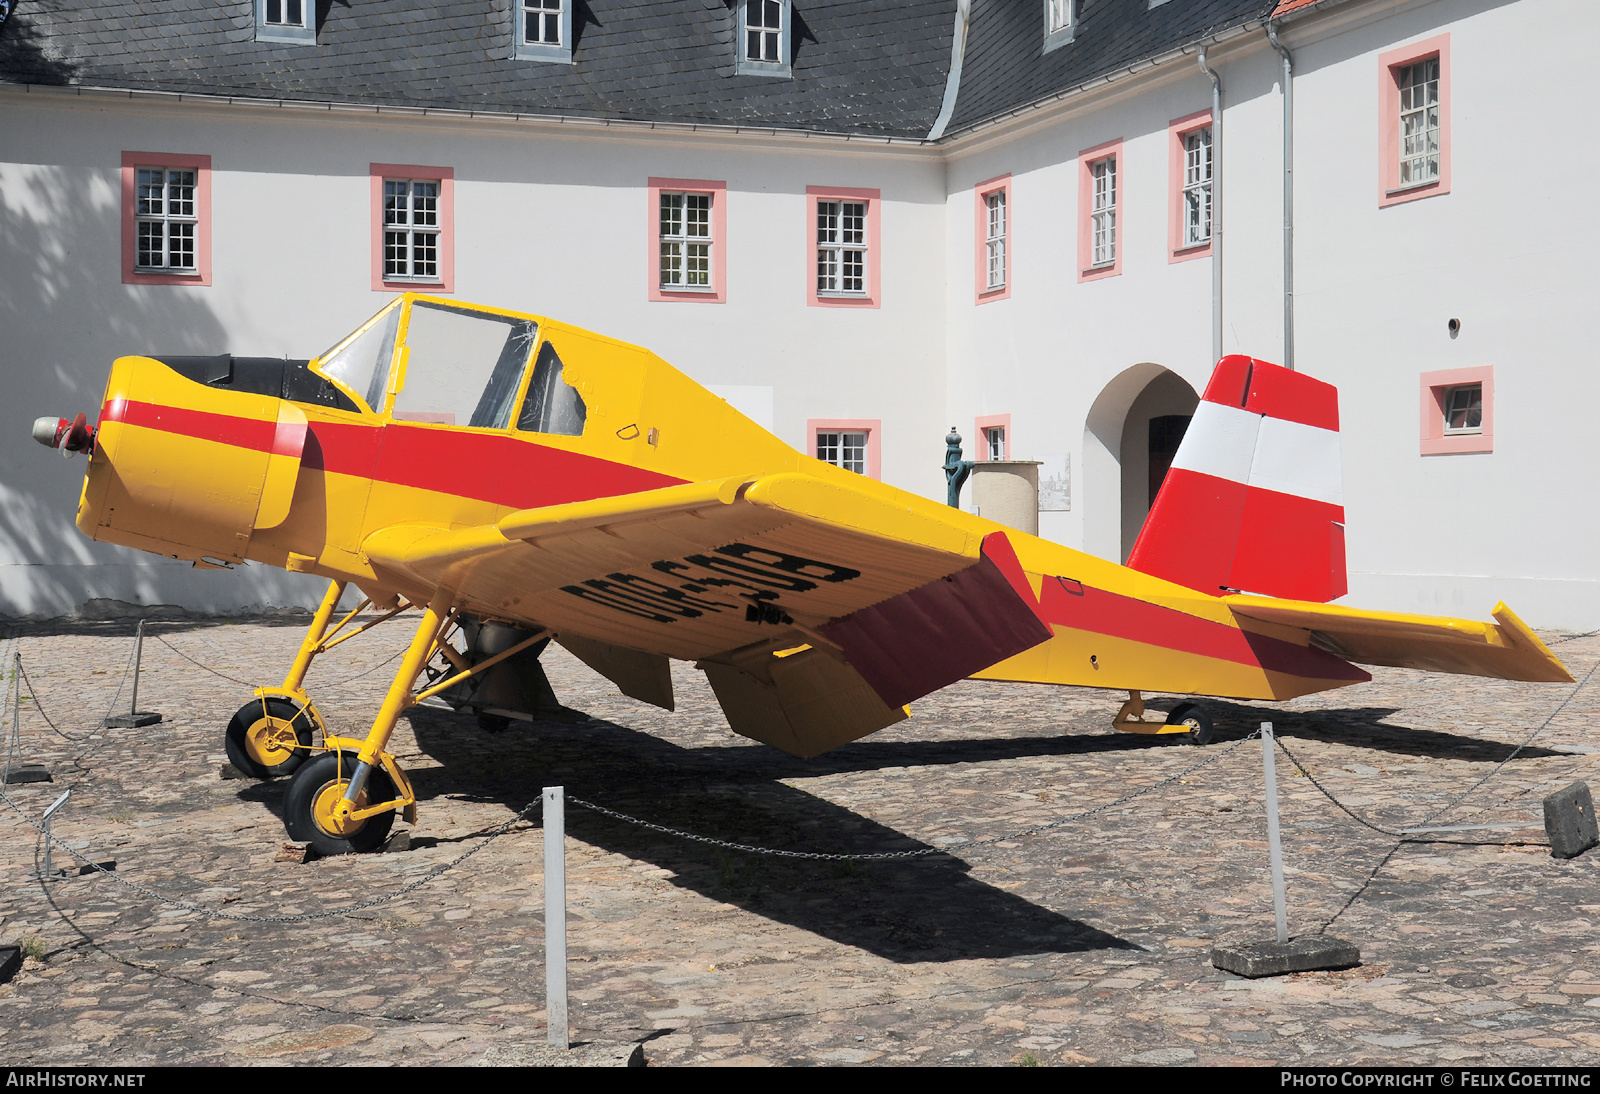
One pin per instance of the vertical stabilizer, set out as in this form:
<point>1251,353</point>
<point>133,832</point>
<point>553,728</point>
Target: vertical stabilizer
<point>1254,501</point>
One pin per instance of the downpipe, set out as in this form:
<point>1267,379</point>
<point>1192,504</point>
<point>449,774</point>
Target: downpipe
<point>1216,206</point>
<point>1288,195</point>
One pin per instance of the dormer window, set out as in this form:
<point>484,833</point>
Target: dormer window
<point>764,38</point>
<point>286,21</point>
<point>544,30</point>
<point>1060,22</point>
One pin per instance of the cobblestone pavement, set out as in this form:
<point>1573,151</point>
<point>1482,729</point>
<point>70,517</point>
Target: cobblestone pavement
<point>1087,943</point>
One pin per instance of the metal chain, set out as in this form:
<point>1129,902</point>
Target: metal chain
<point>33,695</point>
<point>1436,814</point>
<point>245,683</point>
<point>881,856</point>
<point>208,668</point>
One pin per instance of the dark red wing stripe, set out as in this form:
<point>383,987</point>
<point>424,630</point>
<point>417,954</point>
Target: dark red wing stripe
<point>494,468</point>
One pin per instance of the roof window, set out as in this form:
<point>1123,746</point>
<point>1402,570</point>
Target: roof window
<point>286,21</point>
<point>543,30</point>
<point>764,37</point>
<point>1060,23</point>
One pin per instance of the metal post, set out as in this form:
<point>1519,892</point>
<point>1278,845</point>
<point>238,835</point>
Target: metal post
<point>555,916</point>
<point>1275,848</point>
<point>135,718</point>
<point>49,871</point>
<point>138,656</point>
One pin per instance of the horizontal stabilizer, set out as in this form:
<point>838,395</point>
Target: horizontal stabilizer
<point>1507,651</point>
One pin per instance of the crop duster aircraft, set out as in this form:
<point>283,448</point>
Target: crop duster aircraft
<point>521,480</point>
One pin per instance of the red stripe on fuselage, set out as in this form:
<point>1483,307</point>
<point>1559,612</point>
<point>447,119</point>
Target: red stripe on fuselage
<point>489,467</point>
<point>1084,608</point>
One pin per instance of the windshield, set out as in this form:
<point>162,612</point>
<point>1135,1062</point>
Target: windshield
<point>361,361</point>
<point>462,366</point>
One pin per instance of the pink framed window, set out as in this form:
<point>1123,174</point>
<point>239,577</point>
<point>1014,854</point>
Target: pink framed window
<point>686,244</point>
<point>1100,202</point>
<point>1189,184</point>
<point>413,228</point>
<point>851,443</point>
<point>1458,411</point>
<point>1414,121</point>
<point>991,246</point>
<point>166,219</point>
<point>991,437</point>
<point>842,240</point>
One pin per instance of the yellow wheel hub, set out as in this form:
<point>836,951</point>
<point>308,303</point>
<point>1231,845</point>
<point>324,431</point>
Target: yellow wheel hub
<point>324,809</point>
<point>271,741</point>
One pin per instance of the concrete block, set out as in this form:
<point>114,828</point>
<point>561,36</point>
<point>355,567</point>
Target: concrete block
<point>28,773</point>
<point>10,962</point>
<point>1256,959</point>
<point>136,720</point>
<point>228,771</point>
<point>583,1054</point>
<point>1569,821</point>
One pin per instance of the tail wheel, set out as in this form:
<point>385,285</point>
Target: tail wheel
<point>309,806</point>
<point>1193,716</point>
<point>267,738</point>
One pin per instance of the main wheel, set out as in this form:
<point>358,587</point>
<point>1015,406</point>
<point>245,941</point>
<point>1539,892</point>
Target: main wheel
<point>1193,716</point>
<point>267,738</point>
<point>308,807</point>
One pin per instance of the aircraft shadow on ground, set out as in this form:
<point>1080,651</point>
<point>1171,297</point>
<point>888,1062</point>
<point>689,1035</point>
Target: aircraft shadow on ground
<point>1362,727</point>
<point>925,909</point>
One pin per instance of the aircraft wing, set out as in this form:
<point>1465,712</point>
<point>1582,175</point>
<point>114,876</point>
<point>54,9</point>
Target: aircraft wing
<point>1507,651</point>
<point>817,609</point>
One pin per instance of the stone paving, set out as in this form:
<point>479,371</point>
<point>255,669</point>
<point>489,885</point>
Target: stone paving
<point>1084,944</point>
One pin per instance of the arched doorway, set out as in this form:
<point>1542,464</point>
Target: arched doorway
<point>1129,438</point>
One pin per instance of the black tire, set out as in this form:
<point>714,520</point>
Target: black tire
<point>251,754</point>
<point>1195,717</point>
<point>326,774</point>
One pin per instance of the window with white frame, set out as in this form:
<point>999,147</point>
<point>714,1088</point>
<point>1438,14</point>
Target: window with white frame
<point>166,220</point>
<point>1419,122</point>
<point>686,242</point>
<point>286,21</point>
<point>1197,187</point>
<point>1103,212</point>
<point>843,448</point>
<point>1463,410</point>
<point>994,440</point>
<point>995,239</point>
<point>411,230</point>
<point>764,37</point>
<point>541,22</point>
<point>285,13</point>
<point>841,248</point>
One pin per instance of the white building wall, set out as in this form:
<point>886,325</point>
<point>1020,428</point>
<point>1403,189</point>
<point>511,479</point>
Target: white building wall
<point>547,221</point>
<point>554,219</point>
<point>1504,252</point>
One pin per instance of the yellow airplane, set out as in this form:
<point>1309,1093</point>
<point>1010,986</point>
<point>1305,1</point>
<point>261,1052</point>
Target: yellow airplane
<point>522,480</point>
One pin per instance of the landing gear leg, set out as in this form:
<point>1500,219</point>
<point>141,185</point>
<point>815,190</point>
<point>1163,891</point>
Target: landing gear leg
<point>268,736</point>
<point>1186,718</point>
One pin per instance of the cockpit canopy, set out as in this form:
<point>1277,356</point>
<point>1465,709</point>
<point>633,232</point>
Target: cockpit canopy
<point>456,366</point>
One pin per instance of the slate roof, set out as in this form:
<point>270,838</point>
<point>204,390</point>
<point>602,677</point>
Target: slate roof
<point>1005,66</point>
<point>861,67</point>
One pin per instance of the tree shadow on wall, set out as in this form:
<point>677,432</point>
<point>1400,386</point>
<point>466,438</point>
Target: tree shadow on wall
<point>65,316</point>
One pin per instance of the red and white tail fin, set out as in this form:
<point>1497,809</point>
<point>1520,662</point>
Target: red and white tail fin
<point>1254,501</point>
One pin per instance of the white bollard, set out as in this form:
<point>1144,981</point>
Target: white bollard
<point>555,916</point>
<point>1275,848</point>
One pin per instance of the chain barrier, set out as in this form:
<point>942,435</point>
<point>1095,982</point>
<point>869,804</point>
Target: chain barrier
<point>1457,800</point>
<point>920,852</point>
<point>245,683</point>
<point>33,697</point>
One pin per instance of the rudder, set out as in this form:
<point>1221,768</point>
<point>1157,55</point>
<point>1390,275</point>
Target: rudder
<point>1254,500</point>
